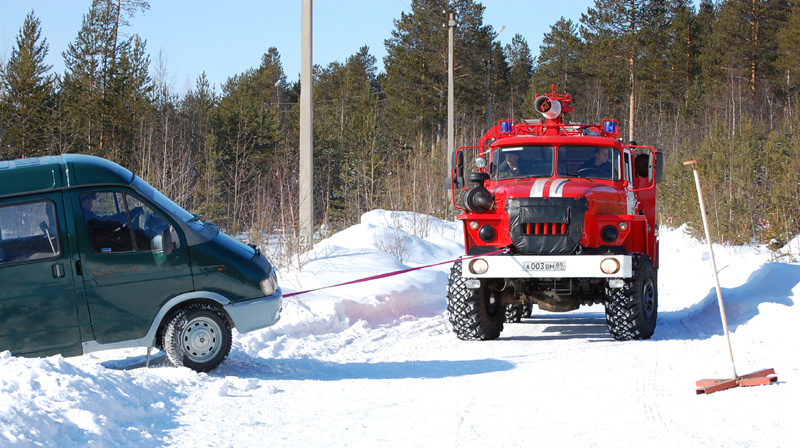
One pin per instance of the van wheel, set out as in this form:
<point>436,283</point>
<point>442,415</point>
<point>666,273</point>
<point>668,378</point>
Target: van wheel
<point>198,337</point>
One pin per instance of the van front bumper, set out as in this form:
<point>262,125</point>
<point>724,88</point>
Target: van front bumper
<point>250,315</point>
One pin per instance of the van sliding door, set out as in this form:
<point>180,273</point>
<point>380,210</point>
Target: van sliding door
<point>38,314</point>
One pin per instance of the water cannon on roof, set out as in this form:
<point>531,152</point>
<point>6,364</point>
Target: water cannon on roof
<point>552,105</point>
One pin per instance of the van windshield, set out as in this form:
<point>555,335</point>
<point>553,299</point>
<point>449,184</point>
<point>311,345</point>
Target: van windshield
<point>163,201</point>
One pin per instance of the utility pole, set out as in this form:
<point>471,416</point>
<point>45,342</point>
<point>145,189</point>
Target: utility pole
<point>306,187</point>
<point>451,23</point>
<point>489,120</point>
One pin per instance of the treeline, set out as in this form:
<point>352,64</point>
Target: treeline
<point>717,81</point>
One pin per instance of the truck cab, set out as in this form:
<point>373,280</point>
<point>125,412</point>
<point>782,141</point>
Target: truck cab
<point>93,258</point>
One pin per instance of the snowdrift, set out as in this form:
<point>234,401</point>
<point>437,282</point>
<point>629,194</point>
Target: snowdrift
<point>376,363</point>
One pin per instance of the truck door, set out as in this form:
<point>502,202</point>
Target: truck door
<point>127,274</point>
<point>38,313</point>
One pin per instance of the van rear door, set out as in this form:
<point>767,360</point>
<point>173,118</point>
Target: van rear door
<point>38,313</point>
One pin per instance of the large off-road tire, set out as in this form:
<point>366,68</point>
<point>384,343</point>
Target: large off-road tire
<point>527,310</point>
<point>198,337</point>
<point>632,310</point>
<point>513,313</point>
<point>476,314</point>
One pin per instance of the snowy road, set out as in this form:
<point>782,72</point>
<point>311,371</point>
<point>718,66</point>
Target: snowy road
<point>377,365</point>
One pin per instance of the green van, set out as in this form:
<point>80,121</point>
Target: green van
<point>94,258</point>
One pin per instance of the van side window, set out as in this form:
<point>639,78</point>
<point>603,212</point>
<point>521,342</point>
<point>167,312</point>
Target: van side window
<point>107,224</point>
<point>118,222</point>
<point>28,232</point>
<point>148,227</point>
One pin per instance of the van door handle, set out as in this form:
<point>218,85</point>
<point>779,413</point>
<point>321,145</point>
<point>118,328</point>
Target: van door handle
<point>79,267</point>
<point>58,270</point>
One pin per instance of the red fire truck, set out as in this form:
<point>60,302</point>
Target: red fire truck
<point>556,215</point>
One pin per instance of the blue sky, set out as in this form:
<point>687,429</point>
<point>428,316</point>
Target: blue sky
<point>224,38</point>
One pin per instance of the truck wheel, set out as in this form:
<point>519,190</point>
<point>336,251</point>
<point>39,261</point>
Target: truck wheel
<point>513,313</point>
<point>197,337</point>
<point>631,311</point>
<point>476,314</point>
<point>527,310</point>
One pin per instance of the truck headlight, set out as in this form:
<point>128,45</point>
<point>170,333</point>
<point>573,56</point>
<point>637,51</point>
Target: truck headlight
<point>269,284</point>
<point>609,266</point>
<point>478,266</point>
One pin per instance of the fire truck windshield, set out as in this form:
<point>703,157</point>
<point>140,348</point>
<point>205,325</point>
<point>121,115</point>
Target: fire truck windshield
<point>594,162</point>
<point>522,162</point>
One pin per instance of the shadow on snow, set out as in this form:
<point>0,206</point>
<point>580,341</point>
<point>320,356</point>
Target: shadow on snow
<point>562,326</point>
<point>243,366</point>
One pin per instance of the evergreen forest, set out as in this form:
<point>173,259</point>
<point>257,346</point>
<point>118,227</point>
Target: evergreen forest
<point>715,80</point>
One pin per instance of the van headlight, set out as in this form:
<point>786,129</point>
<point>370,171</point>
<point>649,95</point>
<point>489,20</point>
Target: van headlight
<point>269,284</point>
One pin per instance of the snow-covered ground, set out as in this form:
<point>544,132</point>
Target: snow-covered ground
<point>376,364</point>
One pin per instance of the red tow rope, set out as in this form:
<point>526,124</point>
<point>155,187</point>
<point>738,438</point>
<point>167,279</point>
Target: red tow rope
<point>391,274</point>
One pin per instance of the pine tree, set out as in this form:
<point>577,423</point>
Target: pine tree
<point>521,61</point>
<point>27,102</point>
<point>613,31</point>
<point>82,104</point>
<point>685,40</point>
<point>196,110</point>
<point>91,68</point>
<point>788,61</point>
<point>416,69</point>
<point>559,59</point>
<point>247,134</point>
<point>129,102</point>
<point>746,38</point>
<point>655,72</point>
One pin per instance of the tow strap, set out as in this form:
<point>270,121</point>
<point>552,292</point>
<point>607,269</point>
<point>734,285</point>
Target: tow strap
<point>391,274</point>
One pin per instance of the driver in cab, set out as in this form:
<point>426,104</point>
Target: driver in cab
<point>510,167</point>
<point>599,165</point>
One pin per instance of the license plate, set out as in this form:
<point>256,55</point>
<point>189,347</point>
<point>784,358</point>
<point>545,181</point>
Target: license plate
<point>545,266</point>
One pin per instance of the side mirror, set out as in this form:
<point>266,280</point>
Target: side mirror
<point>457,175</point>
<point>166,242</point>
<point>659,167</point>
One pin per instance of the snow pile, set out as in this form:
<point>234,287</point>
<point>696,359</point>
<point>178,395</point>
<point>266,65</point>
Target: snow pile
<point>790,252</point>
<point>376,364</point>
<point>53,402</point>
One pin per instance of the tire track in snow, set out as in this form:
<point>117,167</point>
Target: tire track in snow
<point>651,400</point>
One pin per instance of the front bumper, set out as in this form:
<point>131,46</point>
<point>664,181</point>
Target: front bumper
<point>250,315</point>
<point>547,266</point>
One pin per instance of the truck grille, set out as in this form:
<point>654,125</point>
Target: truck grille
<point>546,226</point>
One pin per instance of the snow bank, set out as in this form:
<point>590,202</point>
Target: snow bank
<point>376,364</point>
<point>53,402</point>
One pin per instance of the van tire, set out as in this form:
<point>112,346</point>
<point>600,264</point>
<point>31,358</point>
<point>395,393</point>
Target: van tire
<point>198,336</point>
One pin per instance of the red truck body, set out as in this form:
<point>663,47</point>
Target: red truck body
<point>574,212</point>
